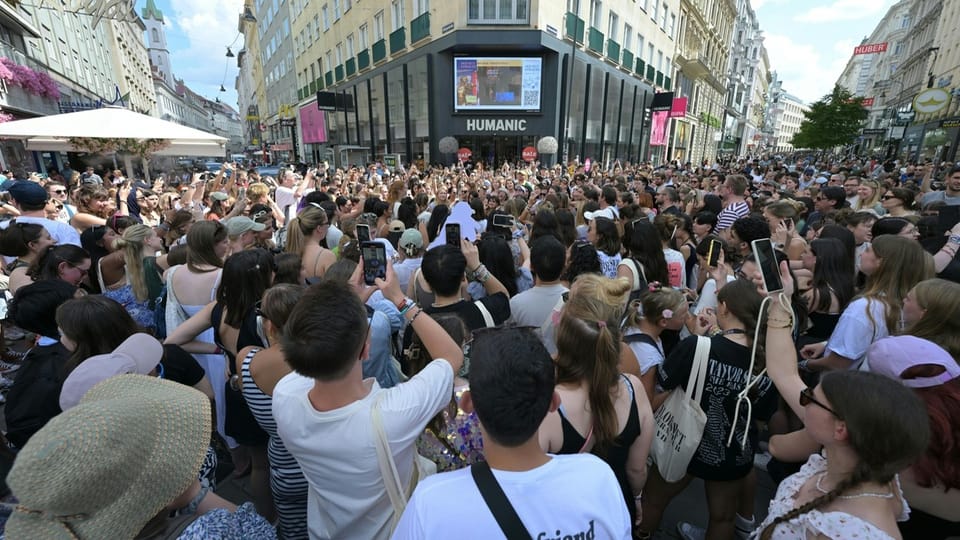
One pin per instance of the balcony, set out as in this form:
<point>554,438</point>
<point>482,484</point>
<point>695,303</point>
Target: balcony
<point>595,41</point>
<point>613,50</point>
<point>641,67</point>
<point>319,82</point>
<point>659,79</point>
<point>328,78</point>
<point>313,89</point>
<point>666,83</point>
<point>351,66</point>
<point>627,61</point>
<point>363,59</point>
<point>300,93</point>
<point>420,28</point>
<point>694,66</point>
<point>338,72</point>
<point>379,51</point>
<point>651,73</point>
<point>574,27</point>
<point>398,40</point>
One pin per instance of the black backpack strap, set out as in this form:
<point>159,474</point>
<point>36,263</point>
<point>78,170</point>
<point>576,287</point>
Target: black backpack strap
<point>497,502</point>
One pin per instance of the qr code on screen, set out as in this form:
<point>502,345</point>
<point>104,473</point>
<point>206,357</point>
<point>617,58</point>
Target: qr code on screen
<point>530,98</point>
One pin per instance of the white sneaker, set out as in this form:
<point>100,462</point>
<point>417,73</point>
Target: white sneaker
<point>689,531</point>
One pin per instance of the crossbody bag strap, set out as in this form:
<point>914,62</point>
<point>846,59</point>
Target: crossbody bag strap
<point>487,317</point>
<point>497,502</point>
<point>388,468</point>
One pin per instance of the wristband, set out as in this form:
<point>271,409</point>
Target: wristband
<point>954,239</point>
<point>191,507</point>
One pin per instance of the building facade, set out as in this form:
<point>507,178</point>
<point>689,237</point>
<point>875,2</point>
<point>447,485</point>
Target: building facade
<point>279,75</point>
<point>746,81</point>
<point>250,84</point>
<point>788,117</point>
<point>497,76</point>
<point>703,53</point>
<point>157,43</point>
<point>128,54</point>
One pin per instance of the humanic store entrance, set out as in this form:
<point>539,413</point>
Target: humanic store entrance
<point>495,150</point>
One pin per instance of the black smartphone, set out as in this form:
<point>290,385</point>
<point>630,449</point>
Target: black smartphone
<point>504,220</point>
<point>363,233</point>
<point>374,261</point>
<point>453,234</point>
<point>767,261</point>
<point>713,255</point>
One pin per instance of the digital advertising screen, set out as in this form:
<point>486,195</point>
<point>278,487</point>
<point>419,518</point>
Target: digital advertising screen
<point>497,84</point>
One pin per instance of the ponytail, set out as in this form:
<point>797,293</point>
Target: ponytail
<point>605,373</point>
<point>295,239</point>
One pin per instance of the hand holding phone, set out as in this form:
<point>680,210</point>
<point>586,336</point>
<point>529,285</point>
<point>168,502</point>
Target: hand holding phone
<point>713,255</point>
<point>766,259</point>
<point>453,234</point>
<point>374,256</point>
<point>363,233</point>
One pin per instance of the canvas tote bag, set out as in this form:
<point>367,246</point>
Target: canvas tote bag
<point>680,420</point>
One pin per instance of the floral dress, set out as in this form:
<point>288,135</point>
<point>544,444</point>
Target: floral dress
<point>461,443</point>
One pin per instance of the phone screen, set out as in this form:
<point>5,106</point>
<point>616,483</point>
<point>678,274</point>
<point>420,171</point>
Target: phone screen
<point>453,235</point>
<point>767,261</point>
<point>713,256</point>
<point>503,220</point>
<point>374,261</point>
<point>363,233</point>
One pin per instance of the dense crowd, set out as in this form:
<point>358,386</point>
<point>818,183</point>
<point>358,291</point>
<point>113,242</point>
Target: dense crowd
<point>566,346</point>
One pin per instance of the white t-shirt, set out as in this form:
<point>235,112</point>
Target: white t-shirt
<point>335,449</point>
<point>676,268</point>
<point>405,269</point>
<point>63,233</point>
<point>854,332</point>
<point>708,295</point>
<point>571,496</point>
<point>647,355</point>
<point>287,200</point>
<point>534,306</point>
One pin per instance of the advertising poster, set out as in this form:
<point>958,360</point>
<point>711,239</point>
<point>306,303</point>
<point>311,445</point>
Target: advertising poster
<point>497,84</point>
<point>658,129</point>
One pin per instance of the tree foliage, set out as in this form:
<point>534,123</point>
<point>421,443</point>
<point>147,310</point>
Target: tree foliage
<point>834,120</point>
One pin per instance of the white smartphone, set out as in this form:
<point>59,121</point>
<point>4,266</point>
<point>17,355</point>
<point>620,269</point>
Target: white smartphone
<point>766,258</point>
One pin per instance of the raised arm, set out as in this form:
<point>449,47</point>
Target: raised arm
<point>781,353</point>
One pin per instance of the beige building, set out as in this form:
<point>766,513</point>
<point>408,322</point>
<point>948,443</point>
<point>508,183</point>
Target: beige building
<point>250,82</point>
<point>128,54</point>
<point>499,76</point>
<point>790,115</point>
<point>703,49</point>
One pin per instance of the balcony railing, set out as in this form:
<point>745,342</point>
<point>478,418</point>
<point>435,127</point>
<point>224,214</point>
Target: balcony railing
<point>351,66</point>
<point>627,61</point>
<point>651,73</point>
<point>641,67</point>
<point>319,82</point>
<point>420,28</point>
<point>659,79</point>
<point>338,72</point>
<point>398,40</point>
<point>574,27</point>
<point>613,50</point>
<point>328,78</point>
<point>313,89</point>
<point>379,51</point>
<point>363,59</point>
<point>666,83</point>
<point>595,40</point>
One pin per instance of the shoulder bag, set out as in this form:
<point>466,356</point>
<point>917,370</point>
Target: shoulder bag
<point>680,420</point>
<point>498,503</point>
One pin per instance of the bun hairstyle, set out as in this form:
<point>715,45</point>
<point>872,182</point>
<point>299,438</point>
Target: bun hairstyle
<point>15,240</point>
<point>654,305</point>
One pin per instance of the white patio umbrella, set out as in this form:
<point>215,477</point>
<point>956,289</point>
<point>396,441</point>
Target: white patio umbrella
<point>52,133</point>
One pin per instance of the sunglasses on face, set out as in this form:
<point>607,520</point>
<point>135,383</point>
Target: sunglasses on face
<point>888,197</point>
<point>806,398</point>
<point>59,191</point>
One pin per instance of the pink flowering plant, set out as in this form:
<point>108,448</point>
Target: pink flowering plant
<point>34,82</point>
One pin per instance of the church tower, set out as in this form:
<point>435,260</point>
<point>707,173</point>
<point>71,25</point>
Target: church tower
<point>157,43</point>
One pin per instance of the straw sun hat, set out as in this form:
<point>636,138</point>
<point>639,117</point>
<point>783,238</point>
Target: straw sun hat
<point>106,467</point>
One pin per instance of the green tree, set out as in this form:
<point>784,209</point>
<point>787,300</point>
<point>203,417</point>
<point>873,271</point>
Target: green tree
<point>833,121</point>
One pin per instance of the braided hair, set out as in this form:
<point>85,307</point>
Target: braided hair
<point>887,427</point>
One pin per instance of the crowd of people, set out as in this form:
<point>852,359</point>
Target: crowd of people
<point>512,371</point>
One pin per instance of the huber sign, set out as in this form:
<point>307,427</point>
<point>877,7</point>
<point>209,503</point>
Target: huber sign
<point>871,48</point>
<point>496,124</point>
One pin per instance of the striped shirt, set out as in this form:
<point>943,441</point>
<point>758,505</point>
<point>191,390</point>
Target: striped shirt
<point>731,213</point>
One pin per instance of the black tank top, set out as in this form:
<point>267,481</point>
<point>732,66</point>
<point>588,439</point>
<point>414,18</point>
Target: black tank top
<point>617,453</point>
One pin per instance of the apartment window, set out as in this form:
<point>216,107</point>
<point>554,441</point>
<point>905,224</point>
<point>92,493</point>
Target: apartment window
<point>656,10</point>
<point>336,10</point>
<point>898,47</point>
<point>498,11</point>
<point>667,67</point>
<point>650,53</point>
<point>420,7</point>
<point>316,26</point>
<point>573,6</point>
<point>325,11</point>
<point>659,60</point>
<point>330,63</point>
<point>378,25</point>
<point>644,5</point>
<point>663,20</point>
<point>627,36</point>
<point>350,46</point>
<point>673,26</point>
<point>396,11</point>
<point>339,53</point>
<point>347,4</point>
<point>596,11</point>
<point>639,45</point>
<point>613,22</point>
<point>905,21</point>
<point>362,34</point>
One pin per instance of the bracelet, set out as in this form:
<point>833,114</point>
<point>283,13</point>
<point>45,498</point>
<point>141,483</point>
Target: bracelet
<point>415,315</point>
<point>638,496</point>
<point>410,304</point>
<point>954,239</point>
<point>191,507</point>
<point>483,276</point>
